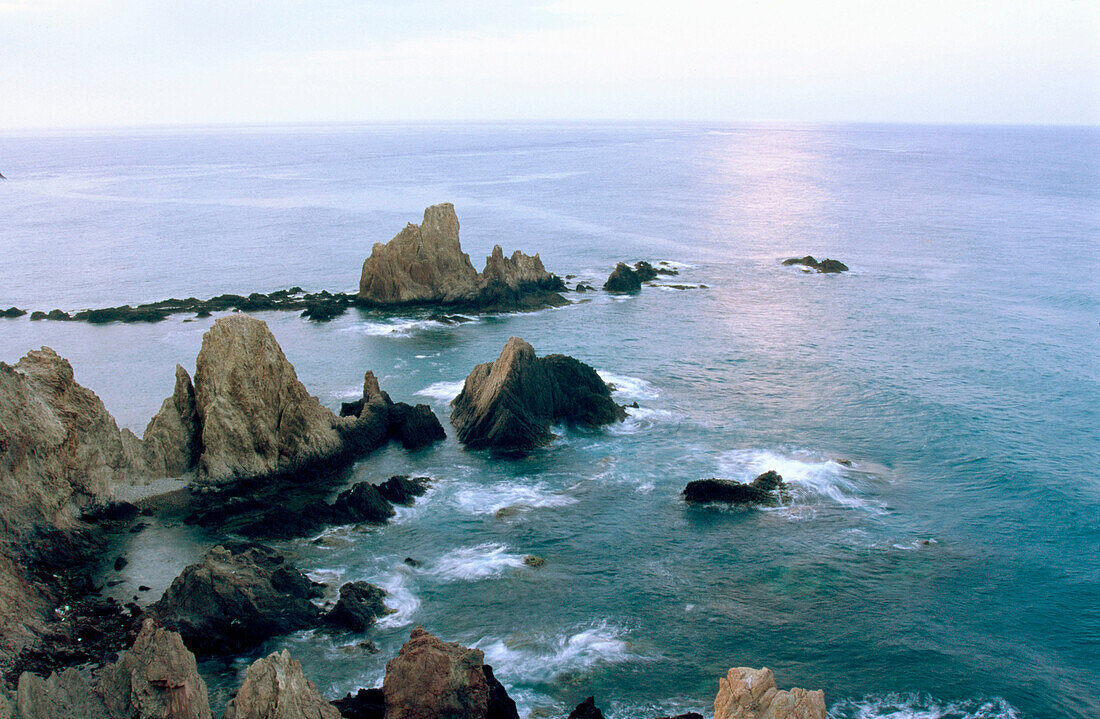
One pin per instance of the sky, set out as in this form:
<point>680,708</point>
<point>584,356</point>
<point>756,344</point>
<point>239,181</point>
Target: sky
<point>90,63</point>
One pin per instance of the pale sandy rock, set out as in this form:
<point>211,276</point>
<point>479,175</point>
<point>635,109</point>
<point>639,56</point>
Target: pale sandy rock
<point>257,419</point>
<point>275,688</point>
<point>60,696</point>
<point>746,693</point>
<point>156,678</point>
<point>172,438</point>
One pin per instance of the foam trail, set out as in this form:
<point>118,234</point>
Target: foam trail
<point>443,392</point>
<point>627,387</point>
<point>640,419</point>
<point>921,706</point>
<point>492,498</point>
<point>473,563</point>
<point>399,598</point>
<point>807,476</point>
<point>542,660</point>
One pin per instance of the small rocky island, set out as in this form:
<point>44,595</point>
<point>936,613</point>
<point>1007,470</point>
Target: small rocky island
<point>424,265</point>
<point>768,488</point>
<point>825,266</point>
<point>509,405</point>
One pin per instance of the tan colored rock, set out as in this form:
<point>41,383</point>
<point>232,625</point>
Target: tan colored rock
<point>746,693</point>
<point>275,688</point>
<point>172,438</point>
<point>257,419</point>
<point>156,678</point>
<point>425,264</point>
<point>59,696</point>
<point>430,678</point>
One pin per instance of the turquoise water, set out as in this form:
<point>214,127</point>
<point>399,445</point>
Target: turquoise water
<point>951,571</point>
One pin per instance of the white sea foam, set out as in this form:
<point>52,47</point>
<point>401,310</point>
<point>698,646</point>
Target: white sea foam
<point>809,477</point>
<point>488,499</point>
<point>399,597</point>
<point>894,706</point>
<point>627,387</point>
<point>641,419</point>
<point>541,659</point>
<point>469,564</point>
<point>443,392</point>
<point>395,327</point>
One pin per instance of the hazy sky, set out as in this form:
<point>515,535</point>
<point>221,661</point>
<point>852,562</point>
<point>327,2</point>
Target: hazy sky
<point>67,63</point>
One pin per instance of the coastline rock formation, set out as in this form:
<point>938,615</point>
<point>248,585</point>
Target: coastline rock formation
<point>768,488</point>
<point>172,437</point>
<point>425,265</point>
<point>746,693</point>
<point>275,688</point>
<point>359,605</point>
<point>623,280</point>
<point>237,596</point>
<point>510,404</point>
<point>826,266</point>
<point>430,678</point>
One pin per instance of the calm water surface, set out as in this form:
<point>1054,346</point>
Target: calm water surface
<point>951,571</point>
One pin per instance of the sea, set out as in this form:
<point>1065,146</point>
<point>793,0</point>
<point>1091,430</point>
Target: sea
<point>934,410</point>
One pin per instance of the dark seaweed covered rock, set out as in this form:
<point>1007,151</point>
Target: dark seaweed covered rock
<point>645,271</point>
<point>765,489</point>
<point>363,502</point>
<point>827,266</point>
<point>12,312</point>
<point>623,280</point>
<point>236,597</point>
<point>414,427</point>
<point>586,710</point>
<point>510,404</point>
<point>399,489</point>
<point>359,605</point>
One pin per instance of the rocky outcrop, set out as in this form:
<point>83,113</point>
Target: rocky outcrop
<point>768,488</point>
<point>12,312</point>
<point>586,710</point>
<point>359,605</point>
<point>746,693</point>
<point>510,404</point>
<point>430,678</point>
<point>623,280</point>
<point>425,265</point>
<point>156,678</point>
<point>826,266</point>
<point>399,489</point>
<point>172,438</point>
<point>237,596</point>
<point>64,695</point>
<point>364,704</point>
<point>275,688</point>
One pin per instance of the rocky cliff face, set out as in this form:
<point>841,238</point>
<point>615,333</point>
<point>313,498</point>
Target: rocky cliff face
<point>275,688</point>
<point>510,404</point>
<point>425,265</point>
<point>746,693</point>
<point>171,439</point>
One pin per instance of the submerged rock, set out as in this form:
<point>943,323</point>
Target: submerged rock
<point>430,678</point>
<point>275,688</point>
<point>826,265</point>
<point>746,693</point>
<point>237,596</point>
<point>766,488</point>
<point>425,265</point>
<point>157,677</point>
<point>359,605</point>
<point>510,404</point>
<point>623,280</point>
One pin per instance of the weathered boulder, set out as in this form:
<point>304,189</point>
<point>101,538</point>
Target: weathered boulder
<point>156,678</point>
<point>172,437</point>
<point>237,596</point>
<point>430,678</point>
<point>359,605</point>
<point>623,280</point>
<point>825,266</point>
<point>511,403</point>
<point>425,265</point>
<point>257,418</point>
<point>765,489</point>
<point>746,693</point>
<point>275,688</point>
<point>363,502</point>
<point>587,710</point>
<point>399,489</point>
<point>59,696</point>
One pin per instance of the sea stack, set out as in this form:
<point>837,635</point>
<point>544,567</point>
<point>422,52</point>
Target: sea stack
<point>424,265</point>
<point>510,404</point>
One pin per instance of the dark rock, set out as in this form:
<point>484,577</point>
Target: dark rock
<point>645,271</point>
<point>110,512</point>
<point>359,605</point>
<point>12,312</point>
<point>534,562</point>
<point>623,280</point>
<point>236,597</point>
<point>826,265</point>
<point>399,489</point>
<point>765,489</point>
<point>323,310</point>
<point>143,588</point>
<point>415,427</point>
<point>586,710</point>
<point>808,261</point>
<point>510,404</point>
<point>351,409</point>
<point>139,527</point>
<point>38,315</point>
<point>120,564</point>
<point>501,706</point>
<point>412,563</point>
<point>363,502</point>
<point>364,704</point>
<point>689,715</point>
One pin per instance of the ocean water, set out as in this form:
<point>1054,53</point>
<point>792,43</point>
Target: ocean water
<point>953,570</point>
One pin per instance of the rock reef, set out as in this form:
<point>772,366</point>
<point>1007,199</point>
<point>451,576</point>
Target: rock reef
<point>746,693</point>
<point>509,405</point>
<point>424,265</point>
<point>768,488</point>
<point>826,266</point>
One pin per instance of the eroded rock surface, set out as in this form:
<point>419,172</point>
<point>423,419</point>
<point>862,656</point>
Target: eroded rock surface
<point>746,693</point>
<point>275,688</point>
<point>424,265</point>
<point>510,404</point>
<point>67,695</point>
<point>172,438</point>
